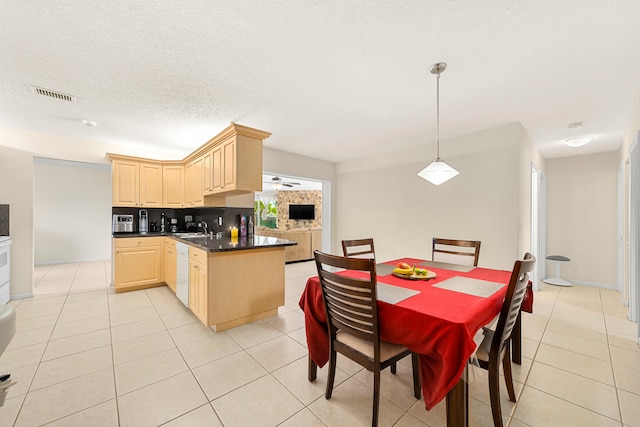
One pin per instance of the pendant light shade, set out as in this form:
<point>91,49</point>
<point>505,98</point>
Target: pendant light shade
<point>438,171</point>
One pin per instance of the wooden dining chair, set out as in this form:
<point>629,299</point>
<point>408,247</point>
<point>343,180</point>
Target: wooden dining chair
<point>495,346</point>
<point>464,252</point>
<point>359,248</point>
<point>352,322</point>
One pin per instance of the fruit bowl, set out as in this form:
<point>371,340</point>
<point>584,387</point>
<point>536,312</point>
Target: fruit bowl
<point>414,276</point>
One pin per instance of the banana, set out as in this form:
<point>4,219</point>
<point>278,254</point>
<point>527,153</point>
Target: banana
<point>404,271</point>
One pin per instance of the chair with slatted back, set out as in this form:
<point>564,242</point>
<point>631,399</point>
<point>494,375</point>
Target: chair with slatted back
<point>495,346</point>
<point>352,321</point>
<point>358,248</point>
<point>465,252</point>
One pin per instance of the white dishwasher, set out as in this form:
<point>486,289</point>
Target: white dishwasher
<point>182,272</point>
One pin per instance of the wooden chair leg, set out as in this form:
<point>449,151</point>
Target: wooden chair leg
<point>494,392</point>
<point>312,369</point>
<point>394,368</point>
<point>376,396</point>
<point>508,378</point>
<point>332,374</point>
<point>415,364</point>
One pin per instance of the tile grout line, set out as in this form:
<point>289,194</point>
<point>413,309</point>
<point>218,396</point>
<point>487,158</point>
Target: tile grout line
<point>613,372</point>
<point>533,359</point>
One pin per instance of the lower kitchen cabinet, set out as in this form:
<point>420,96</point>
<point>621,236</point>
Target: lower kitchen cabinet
<point>170,263</point>
<point>198,285</point>
<point>138,263</point>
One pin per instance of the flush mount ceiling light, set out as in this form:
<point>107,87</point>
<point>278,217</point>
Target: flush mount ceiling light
<point>438,171</point>
<point>576,125</point>
<point>89,123</point>
<point>578,141</point>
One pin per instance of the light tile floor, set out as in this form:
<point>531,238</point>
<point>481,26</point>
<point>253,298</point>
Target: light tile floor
<point>83,355</point>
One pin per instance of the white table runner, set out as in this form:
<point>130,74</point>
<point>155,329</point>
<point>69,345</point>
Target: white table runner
<point>393,294</point>
<point>467,285</point>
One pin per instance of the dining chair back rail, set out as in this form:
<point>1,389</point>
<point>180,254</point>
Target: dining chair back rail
<point>358,247</point>
<point>447,246</point>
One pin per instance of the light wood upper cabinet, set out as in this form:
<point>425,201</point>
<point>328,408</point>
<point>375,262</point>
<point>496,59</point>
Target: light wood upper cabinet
<point>136,184</point>
<point>194,188</point>
<point>151,185</point>
<point>173,186</point>
<point>228,164</point>
<point>124,181</point>
<point>207,171</point>
<point>237,166</point>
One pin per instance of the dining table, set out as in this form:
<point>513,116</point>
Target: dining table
<point>436,319</point>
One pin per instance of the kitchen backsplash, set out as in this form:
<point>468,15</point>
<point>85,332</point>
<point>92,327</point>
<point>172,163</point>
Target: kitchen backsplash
<point>230,217</point>
<point>4,220</point>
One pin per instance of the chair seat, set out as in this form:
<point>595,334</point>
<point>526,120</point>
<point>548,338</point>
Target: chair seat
<point>482,352</point>
<point>387,350</point>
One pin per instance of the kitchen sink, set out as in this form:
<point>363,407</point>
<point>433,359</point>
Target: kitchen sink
<point>189,235</point>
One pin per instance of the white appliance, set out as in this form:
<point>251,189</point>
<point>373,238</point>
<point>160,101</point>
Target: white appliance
<point>5,264</point>
<point>182,273</point>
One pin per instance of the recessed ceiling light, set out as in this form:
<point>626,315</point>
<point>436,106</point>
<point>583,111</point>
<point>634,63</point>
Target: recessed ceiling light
<point>578,141</point>
<point>576,125</point>
<point>89,123</point>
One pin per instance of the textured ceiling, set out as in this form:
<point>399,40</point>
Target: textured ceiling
<point>330,79</point>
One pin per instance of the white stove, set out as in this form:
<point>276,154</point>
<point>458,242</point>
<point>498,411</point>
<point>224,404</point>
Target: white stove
<point>5,263</point>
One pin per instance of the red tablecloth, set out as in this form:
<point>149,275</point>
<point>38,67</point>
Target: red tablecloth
<point>438,324</point>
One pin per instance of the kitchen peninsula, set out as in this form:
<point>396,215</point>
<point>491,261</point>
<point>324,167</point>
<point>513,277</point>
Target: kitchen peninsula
<point>230,281</point>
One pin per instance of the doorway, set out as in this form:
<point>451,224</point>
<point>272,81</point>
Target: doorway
<point>274,182</point>
<point>634,236</point>
<point>538,223</point>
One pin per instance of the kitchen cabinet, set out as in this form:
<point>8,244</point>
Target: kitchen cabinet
<point>207,172</point>
<point>136,184</point>
<point>173,186</point>
<point>138,263</point>
<point>244,286</point>
<point>194,189</point>
<point>236,166</point>
<point>170,263</point>
<point>228,164</point>
<point>198,285</point>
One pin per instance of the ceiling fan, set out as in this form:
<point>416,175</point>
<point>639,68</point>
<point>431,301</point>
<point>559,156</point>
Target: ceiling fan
<point>278,182</point>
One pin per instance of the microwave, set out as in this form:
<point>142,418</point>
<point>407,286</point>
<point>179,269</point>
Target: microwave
<point>122,224</point>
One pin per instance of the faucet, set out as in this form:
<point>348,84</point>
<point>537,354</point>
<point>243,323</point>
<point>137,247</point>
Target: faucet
<point>205,227</point>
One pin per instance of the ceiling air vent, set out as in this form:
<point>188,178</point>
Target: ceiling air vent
<point>53,94</point>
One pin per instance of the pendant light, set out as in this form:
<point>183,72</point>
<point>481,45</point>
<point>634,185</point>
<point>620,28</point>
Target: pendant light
<point>438,171</point>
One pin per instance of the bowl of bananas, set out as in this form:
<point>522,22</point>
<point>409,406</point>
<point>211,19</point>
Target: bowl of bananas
<point>406,271</point>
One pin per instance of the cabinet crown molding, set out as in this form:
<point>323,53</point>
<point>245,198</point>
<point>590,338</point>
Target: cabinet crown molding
<point>232,130</point>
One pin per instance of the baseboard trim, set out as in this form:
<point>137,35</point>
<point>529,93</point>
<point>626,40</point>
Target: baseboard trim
<point>21,296</point>
<point>594,285</point>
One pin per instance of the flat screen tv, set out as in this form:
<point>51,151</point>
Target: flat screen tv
<point>302,212</point>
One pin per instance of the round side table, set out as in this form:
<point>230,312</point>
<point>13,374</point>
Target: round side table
<point>557,281</point>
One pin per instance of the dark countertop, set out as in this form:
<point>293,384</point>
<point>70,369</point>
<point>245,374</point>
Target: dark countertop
<point>224,244</point>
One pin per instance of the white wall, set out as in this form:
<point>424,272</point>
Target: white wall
<point>582,216</point>
<point>402,212</point>
<point>528,154</point>
<point>16,176</point>
<point>72,211</point>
